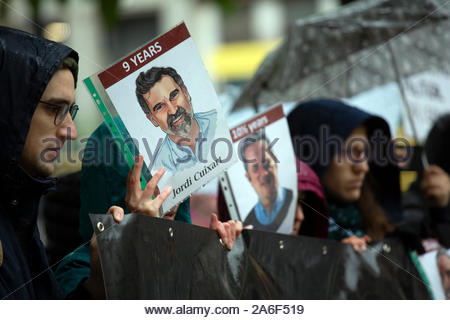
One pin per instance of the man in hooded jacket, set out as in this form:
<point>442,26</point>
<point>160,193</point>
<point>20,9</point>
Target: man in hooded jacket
<point>37,85</point>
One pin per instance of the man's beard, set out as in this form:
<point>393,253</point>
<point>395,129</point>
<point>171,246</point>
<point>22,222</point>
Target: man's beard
<point>184,128</point>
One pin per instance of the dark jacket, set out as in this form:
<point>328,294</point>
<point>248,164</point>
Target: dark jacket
<point>27,64</point>
<point>419,217</point>
<point>317,125</point>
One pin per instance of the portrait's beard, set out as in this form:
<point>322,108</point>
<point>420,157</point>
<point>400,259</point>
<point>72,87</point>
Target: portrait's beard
<point>184,128</point>
<point>447,293</point>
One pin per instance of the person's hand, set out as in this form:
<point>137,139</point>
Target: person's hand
<point>228,231</point>
<point>140,201</point>
<point>358,244</point>
<point>170,215</point>
<point>94,284</point>
<point>436,186</point>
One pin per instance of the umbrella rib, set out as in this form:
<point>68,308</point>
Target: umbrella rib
<point>402,91</point>
<point>376,49</point>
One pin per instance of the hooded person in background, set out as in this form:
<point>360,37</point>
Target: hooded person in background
<point>37,85</point>
<point>362,194</point>
<point>426,204</point>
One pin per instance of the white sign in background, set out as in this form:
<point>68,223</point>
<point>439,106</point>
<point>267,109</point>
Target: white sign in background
<point>427,93</point>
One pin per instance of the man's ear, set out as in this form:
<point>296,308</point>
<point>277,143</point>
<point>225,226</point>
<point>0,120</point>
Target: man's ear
<point>153,120</point>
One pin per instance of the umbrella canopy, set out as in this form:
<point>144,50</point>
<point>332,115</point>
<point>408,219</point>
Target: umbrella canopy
<point>359,47</point>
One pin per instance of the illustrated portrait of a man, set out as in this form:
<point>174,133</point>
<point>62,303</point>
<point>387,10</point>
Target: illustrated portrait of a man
<point>261,170</point>
<point>443,264</point>
<point>166,101</point>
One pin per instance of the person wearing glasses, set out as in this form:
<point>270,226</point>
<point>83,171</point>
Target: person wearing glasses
<point>37,102</point>
<point>37,86</point>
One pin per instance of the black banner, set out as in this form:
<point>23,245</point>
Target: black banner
<point>149,258</point>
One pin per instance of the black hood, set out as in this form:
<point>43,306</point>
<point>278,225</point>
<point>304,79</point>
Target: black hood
<point>309,119</point>
<point>27,63</point>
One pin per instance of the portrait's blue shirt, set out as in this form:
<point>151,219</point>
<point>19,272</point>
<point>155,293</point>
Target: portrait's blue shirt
<point>174,157</point>
<point>263,216</point>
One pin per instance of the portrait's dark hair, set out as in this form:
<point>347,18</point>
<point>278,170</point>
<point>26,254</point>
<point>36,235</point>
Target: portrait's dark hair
<point>146,80</point>
<point>250,140</point>
<point>71,64</point>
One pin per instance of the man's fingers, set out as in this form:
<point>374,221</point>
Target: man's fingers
<point>133,180</point>
<point>222,232</point>
<point>95,262</point>
<point>117,213</point>
<point>434,169</point>
<point>238,228</point>
<point>136,172</point>
<point>349,239</point>
<point>228,239</point>
<point>233,231</point>
<point>158,201</point>
<point>153,183</point>
<point>221,229</point>
<point>213,222</point>
<point>172,212</point>
<point>433,192</point>
<point>93,244</point>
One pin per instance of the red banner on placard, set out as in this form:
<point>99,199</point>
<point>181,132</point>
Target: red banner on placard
<point>263,120</point>
<point>143,55</point>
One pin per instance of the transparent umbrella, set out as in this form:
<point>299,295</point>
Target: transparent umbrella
<point>359,47</point>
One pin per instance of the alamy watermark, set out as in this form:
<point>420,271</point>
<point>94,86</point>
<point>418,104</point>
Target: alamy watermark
<point>378,149</point>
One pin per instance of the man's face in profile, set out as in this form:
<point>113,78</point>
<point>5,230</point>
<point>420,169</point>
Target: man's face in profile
<point>262,172</point>
<point>443,264</point>
<point>170,107</point>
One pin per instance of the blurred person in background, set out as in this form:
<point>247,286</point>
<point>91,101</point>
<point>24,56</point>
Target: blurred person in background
<point>337,142</point>
<point>426,205</point>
